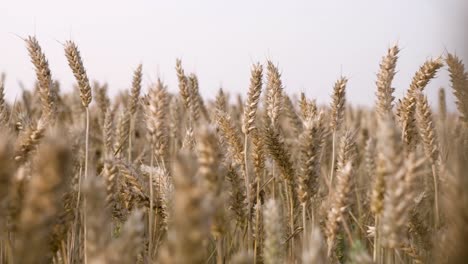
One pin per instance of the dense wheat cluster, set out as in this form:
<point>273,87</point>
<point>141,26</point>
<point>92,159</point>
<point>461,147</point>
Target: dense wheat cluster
<point>155,177</point>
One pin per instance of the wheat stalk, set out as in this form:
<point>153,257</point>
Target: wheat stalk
<point>74,61</point>
<point>337,115</point>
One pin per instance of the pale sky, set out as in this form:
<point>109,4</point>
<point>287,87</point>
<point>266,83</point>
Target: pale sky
<point>313,42</point>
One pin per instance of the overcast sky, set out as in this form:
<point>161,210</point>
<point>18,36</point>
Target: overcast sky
<point>313,42</point>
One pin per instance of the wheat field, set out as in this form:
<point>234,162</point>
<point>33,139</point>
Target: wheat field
<point>264,177</point>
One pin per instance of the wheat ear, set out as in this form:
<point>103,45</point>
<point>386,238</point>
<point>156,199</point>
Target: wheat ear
<point>459,80</point>
<point>253,98</point>
<point>274,93</point>
<point>43,75</point>
<point>74,61</point>
<point>384,103</point>
<point>406,109</point>
<point>134,98</point>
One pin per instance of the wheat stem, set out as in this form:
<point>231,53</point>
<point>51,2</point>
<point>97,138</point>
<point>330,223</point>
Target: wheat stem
<point>304,225</point>
<point>85,177</point>
<point>436,196</point>
<point>247,190</point>
<point>257,220</point>
<point>130,133</point>
<point>332,170</point>
<point>376,251</point>
<point>150,209</point>
<point>219,250</point>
